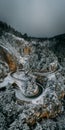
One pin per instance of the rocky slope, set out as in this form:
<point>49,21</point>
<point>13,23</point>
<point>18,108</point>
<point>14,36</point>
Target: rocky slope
<point>32,84</point>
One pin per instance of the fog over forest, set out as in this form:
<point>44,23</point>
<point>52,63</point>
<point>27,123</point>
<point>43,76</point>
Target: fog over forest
<point>35,17</point>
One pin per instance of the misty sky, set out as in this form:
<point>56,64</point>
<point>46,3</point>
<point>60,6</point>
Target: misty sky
<point>35,17</point>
